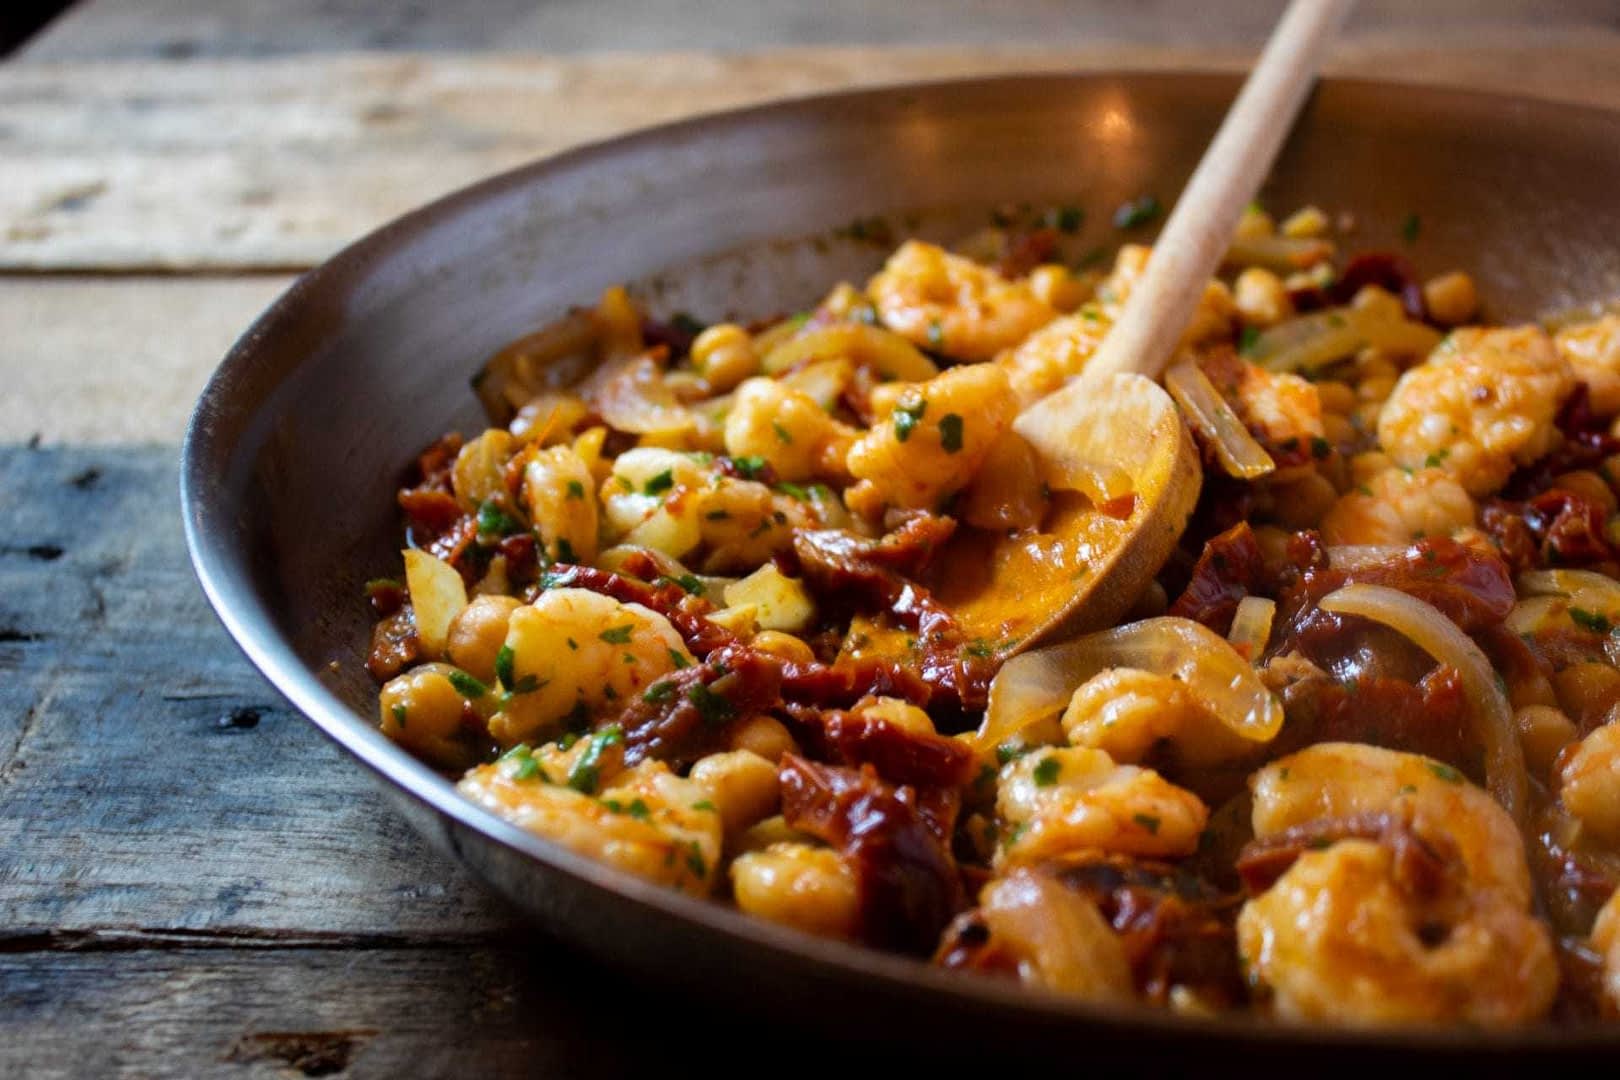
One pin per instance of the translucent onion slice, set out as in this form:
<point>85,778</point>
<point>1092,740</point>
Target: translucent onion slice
<point>1209,414</point>
<point>1361,556</point>
<point>1314,341</point>
<point>1061,939</point>
<point>634,398</point>
<point>1284,254</point>
<point>1585,589</point>
<point>887,353</point>
<point>1438,636</point>
<point>1251,626</point>
<point>1037,685</point>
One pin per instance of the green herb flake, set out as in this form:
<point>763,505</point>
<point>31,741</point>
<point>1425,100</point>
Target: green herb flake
<point>565,551</point>
<point>906,416</point>
<point>1148,822</point>
<point>749,465</point>
<point>572,644</point>
<point>1016,834</point>
<point>793,491</point>
<point>495,522</point>
<point>1138,211</point>
<point>1064,218</point>
<point>587,770</point>
<point>399,715</point>
<point>711,706</point>
<point>466,685</point>
<point>638,809</point>
<point>687,582</point>
<point>576,490</point>
<point>680,661</point>
<point>1249,340</point>
<point>503,667</point>
<point>950,433</point>
<point>705,804</point>
<point>660,483</point>
<point>1008,751</point>
<point>1595,621</point>
<point>659,692</point>
<point>1434,460</point>
<point>1046,771</point>
<point>1445,772</point>
<point>985,779</point>
<point>1321,449</point>
<point>617,635</point>
<point>527,769</point>
<point>519,751</point>
<point>695,861</point>
<point>1411,227</point>
<point>782,434</point>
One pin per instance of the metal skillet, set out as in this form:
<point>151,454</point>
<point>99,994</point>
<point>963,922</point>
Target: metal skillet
<point>298,440</point>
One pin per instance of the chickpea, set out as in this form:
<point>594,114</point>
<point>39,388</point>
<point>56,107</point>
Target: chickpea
<point>773,830</point>
<point>902,714</point>
<point>1054,284</point>
<point>763,735</point>
<point>724,355</point>
<point>1543,731</point>
<point>809,888</point>
<point>1587,691</point>
<point>741,784</point>
<point>1305,223</point>
<point>1336,397</point>
<point>1260,297</point>
<point>477,634</point>
<point>1254,223</point>
<point>1589,783</point>
<point>784,646</point>
<point>1451,298</point>
<point>422,711</point>
<point>1376,387</point>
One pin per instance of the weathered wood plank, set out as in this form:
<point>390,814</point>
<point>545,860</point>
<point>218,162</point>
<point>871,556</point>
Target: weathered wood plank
<point>149,779</point>
<point>275,163</point>
<point>115,359</point>
<point>241,28</point>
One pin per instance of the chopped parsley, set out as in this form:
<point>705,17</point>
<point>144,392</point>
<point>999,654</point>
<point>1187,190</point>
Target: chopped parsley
<point>1008,751</point>
<point>782,434</point>
<point>659,692</point>
<point>466,685</point>
<point>713,707</point>
<point>749,465</point>
<point>1016,834</point>
<point>587,771</point>
<point>1138,211</point>
<point>527,769</point>
<point>565,551</point>
<point>1248,340</point>
<point>660,483</point>
<point>617,635</point>
<point>678,660</point>
<point>576,490</point>
<point>1064,218</point>
<point>1594,621</point>
<point>906,416</point>
<point>1148,822</point>
<point>688,582</point>
<point>705,804</point>
<point>1321,449</point>
<point>695,861</point>
<point>1046,771</point>
<point>950,432</point>
<point>793,490</point>
<point>1445,772</point>
<point>1433,460</point>
<point>495,522</point>
<point>503,666</point>
<point>399,715</point>
<point>1411,227</point>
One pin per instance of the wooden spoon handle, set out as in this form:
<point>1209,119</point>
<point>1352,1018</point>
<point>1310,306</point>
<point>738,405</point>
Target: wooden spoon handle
<point>1195,238</point>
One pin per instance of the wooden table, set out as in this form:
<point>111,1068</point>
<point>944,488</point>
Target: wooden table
<point>191,880</point>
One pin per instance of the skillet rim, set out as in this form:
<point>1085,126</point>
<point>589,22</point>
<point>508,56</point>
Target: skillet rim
<point>222,421</point>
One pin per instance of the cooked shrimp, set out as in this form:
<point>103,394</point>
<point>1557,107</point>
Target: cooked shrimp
<point>1126,711</point>
<point>954,305</point>
<point>560,494</point>
<point>1055,353</point>
<point>1397,506</point>
<point>1606,942</point>
<point>575,652</point>
<point>808,887</point>
<point>1343,936</point>
<point>788,429</point>
<point>1481,404</point>
<point>1059,800</point>
<point>1211,321</point>
<point>933,437</point>
<point>649,822</point>
<point>1589,783</point>
<point>1336,780</point>
<point>1593,351</point>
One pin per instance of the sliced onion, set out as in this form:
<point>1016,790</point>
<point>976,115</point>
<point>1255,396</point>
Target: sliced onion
<point>552,358</point>
<point>1352,557</point>
<point>1585,589</point>
<point>1037,685</point>
<point>1251,626</point>
<point>633,397</point>
<point>1535,614</point>
<point>1438,636</point>
<point>887,353</point>
<point>1314,341</point>
<point>1284,254</point>
<point>1209,414</point>
<point>1060,938</point>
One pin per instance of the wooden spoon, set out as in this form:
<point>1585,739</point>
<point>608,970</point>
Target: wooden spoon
<point>1113,434</point>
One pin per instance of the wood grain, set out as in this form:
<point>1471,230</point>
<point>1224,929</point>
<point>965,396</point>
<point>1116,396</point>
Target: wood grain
<point>150,781</point>
<point>116,359</point>
<point>273,164</point>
